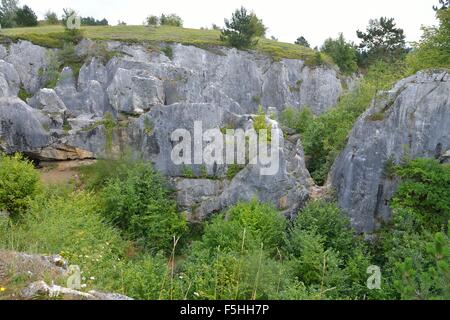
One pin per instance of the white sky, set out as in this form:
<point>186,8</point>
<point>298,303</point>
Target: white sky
<point>286,19</point>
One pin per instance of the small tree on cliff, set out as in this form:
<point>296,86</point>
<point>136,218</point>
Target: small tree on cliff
<point>301,41</point>
<point>241,30</point>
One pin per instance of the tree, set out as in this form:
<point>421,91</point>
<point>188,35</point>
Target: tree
<point>51,17</point>
<point>138,202</point>
<point>240,31</point>
<point>152,20</point>
<point>444,5</point>
<point>8,11</point>
<point>382,40</point>
<point>258,26</point>
<point>171,20</point>
<point>433,50</point>
<point>344,54</point>
<point>90,21</point>
<point>301,41</point>
<point>25,17</point>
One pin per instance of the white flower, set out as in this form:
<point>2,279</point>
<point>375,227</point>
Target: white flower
<point>92,278</point>
<point>84,285</point>
<point>196,294</point>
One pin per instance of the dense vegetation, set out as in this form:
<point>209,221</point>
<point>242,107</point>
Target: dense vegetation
<point>325,136</point>
<point>121,225</point>
<point>123,230</point>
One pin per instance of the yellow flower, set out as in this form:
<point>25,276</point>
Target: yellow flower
<point>2,289</point>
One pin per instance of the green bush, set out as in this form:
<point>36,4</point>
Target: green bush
<point>433,50</point>
<point>51,18</point>
<point>138,202</point>
<point>171,20</point>
<point>344,54</point>
<point>425,191</point>
<point>298,120</point>
<point>19,183</point>
<point>251,224</point>
<point>327,220</point>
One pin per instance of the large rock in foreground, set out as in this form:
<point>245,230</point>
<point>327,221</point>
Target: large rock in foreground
<point>412,119</point>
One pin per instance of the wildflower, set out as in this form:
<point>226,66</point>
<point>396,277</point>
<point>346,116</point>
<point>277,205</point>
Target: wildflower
<point>196,294</point>
<point>92,278</point>
<point>2,289</point>
<point>84,285</point>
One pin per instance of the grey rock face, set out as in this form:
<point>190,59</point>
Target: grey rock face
<point>47,101</point>
<point>150,95</point>
<point>246,79</point>
<point>9,80</point>
<point>21,128</point>
<point>416,120</point>
<point>133,92</point>
<point>29,60</point>
<point>92,100</point>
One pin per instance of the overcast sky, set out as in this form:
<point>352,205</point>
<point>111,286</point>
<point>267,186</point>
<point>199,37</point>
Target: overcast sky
<point>286,19</point>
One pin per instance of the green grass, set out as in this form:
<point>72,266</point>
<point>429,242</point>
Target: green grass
<point>51,36</point>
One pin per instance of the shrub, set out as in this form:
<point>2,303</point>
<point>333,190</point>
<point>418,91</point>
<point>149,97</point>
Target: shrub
<point>343,54</point>
<point>298,120</point>
<point>138,203</point>
<point>425,191</point>
<point>19,182</point>
<point>240,31</point>
<point>328,221</point>
<point>314,265</point>
<point>257,26</point>
<point>433,50</point>
<point>171,20</point>
<point>152,20</point>
<point>301,41</point>
<point>51,17</point>
<point>417,279</point>
<point>248,224</point>
<point>168,51</point>
<point>260,124</point>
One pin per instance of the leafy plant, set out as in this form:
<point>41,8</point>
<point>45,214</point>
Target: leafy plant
<point>137,201</point>
<point>19,183</point>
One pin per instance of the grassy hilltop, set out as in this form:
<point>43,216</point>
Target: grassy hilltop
<point>50,36</point>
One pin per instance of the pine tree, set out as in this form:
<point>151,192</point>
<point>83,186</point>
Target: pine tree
<point>240,30</point>
<point>382,40</point>
<point>25,17</point>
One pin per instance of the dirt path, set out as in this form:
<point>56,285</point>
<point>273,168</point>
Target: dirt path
<point>61,172</point>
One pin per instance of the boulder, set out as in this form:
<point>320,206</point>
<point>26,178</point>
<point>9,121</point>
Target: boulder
<point>29,60</point>
<point>21,127</point>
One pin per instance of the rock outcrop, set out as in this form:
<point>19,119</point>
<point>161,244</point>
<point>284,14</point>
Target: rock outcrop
<point>38,267</point>
<point>412,119</point>
<point>137,99</point>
